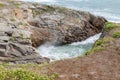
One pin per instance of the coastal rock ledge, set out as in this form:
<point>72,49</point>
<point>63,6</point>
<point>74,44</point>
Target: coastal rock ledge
<point>25,25</point>
<point>15,47</point>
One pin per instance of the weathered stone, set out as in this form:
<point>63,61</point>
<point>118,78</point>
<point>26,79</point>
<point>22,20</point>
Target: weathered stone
<point>65,27</point>
<point>16,47</point>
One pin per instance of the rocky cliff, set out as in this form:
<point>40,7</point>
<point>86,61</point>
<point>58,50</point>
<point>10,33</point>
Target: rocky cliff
<point>25,24</point>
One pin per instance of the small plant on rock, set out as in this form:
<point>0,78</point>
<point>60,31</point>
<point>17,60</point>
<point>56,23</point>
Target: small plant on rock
<point>1,5</point>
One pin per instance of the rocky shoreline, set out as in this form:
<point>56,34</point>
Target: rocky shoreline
<point>26,25</point>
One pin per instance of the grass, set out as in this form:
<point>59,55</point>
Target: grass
<point>99,45</point>
<point>22,74</point>
<point>12,39</point>
<point>46,8</point>
<point>17,5</point>
<point>2,5</point>
<point>12,19</point>
<point>101,42</point>
<point>116,35</point>
<point>109,26</point>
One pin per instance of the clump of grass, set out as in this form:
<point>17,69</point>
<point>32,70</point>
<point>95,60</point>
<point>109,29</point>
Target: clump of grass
<point>2,5</point>
<point>46,8</point>
<point>17,5</point>
<point>110,25</point>
<point>95,49</point>
<point>99,45</point>
<point>20,74</point>
<point>12,39</point>
<point>116,35</point>
<point>20,23</point>
<point>12,19</point>
<point>101,42</point>
<point>49,8</point>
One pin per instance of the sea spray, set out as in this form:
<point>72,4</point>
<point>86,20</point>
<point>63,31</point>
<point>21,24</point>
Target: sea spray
<point>67,51</point>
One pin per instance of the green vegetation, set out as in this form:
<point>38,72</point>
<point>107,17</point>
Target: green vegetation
<point>99,45</point>
<point>46,8</point>
<point>12,39</point>
<point>17,5</point>
<point>61,9</point>
<point>49,8</point>
<point>20,23</point>
<point>12,19</point>
<point>101,42</point>
<point>2,5</point>
<point>116,35</point>
<point>21,74</point>
<point>95,49</point>
<point>21,35</point>
<point>110,25</point>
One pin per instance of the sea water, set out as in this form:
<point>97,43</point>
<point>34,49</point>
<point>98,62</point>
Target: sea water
<point>68,51</point>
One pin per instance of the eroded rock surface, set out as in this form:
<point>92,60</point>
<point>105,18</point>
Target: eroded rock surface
<point>63,27</point>
<point>15,46</point>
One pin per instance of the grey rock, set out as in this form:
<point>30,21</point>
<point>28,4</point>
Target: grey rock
<point>65,27</point>
<point>16,47</point>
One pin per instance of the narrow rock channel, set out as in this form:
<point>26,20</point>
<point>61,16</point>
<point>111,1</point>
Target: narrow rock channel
<point>68,51</point>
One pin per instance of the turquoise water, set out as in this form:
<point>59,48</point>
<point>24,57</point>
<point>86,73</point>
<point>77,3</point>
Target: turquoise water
<point>110,9</point>
<point>68,51</point>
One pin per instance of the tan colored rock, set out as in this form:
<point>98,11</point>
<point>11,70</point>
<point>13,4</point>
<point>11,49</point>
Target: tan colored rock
<point>22,14</point>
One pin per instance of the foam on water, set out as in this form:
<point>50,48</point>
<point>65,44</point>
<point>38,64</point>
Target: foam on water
<point>68,51</point>
<point>90,40</point>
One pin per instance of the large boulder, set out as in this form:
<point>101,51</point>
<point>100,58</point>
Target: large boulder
<point>64,27</point>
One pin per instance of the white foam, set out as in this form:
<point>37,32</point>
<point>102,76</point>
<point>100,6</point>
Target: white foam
<point>67,51</point>
<point>91,39</point>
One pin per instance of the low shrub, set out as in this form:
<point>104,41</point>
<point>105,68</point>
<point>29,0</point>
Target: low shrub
<point>20,74</point>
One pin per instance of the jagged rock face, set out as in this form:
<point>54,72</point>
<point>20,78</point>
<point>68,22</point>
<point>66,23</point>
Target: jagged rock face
<point>65,27</point>
<point>15,47</point>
